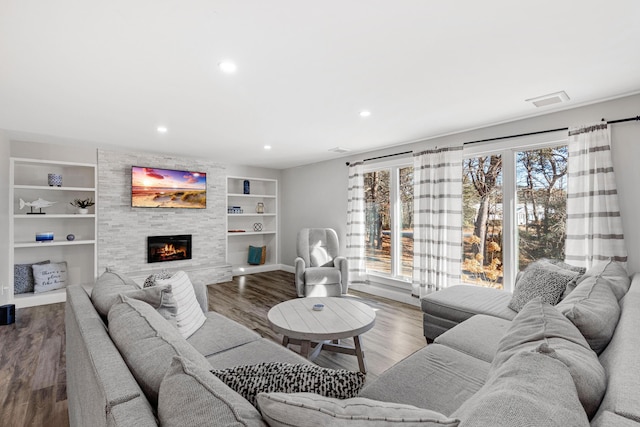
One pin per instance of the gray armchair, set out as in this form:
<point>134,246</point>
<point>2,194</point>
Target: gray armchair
<point>320,271</point>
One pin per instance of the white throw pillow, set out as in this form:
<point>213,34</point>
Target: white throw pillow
<point>47,277</point>
<point>189,317</point>
<point>308,409</point>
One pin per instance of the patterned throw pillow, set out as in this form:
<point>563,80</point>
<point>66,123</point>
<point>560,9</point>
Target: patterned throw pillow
<point>543,280</point>
<point>23,277</point>
<point>151,280</point>
<point>276,377</point>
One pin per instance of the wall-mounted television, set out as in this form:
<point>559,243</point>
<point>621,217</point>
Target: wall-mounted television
<point>168,188</point>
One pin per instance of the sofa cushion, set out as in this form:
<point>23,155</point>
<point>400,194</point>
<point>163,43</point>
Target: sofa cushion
<point>192,396</point>
<point>529,389</point>
<point>148,343</point>
<point>435,377</point>
<point>594,309</point>
<point>614,273</point>
<point>311,410</point>
<point>460,302</point>
<point>620,359</point>
<point>321,276</point>
<point>219,333</point>
<point>190,316</point>
<point>249,380</point>
<point>107,289</point>
<point>262,350</point>
<point>541,279</point>
<point>540,327</point>
<point>478,336</point>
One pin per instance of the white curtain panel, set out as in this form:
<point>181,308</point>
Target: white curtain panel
<point>594,226</point>
<point>437,217</point>
<point>355,224</point>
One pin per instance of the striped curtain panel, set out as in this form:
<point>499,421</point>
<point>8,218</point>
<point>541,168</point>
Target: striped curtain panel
<point>594,226</point>
<point>355,224</point>
<point>437,218</point>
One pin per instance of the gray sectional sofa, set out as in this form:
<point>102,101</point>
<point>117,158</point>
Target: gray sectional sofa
<point>468,325</point>
<point>533,369</point>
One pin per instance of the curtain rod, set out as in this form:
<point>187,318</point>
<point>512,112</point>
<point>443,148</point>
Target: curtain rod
<point>628,119</point>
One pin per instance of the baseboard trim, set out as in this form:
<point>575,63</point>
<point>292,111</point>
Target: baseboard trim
<point>387,292</point>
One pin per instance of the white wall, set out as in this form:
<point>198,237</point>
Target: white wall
<point>316,194</point>
<point>5,153</point>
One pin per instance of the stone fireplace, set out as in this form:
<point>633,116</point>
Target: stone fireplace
<point>168,248</point>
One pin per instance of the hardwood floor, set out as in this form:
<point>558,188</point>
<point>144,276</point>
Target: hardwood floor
<point>32,353</point>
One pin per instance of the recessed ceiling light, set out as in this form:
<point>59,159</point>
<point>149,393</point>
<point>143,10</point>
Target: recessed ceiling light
<point>267,147</point>
<point>227,67</point>
<point>365,113</point>
<point>162,129</point>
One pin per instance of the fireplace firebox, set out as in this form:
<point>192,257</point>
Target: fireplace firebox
<point>168,248</point>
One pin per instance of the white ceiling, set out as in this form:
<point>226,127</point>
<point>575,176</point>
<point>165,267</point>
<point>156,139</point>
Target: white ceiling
<point>110,72</point>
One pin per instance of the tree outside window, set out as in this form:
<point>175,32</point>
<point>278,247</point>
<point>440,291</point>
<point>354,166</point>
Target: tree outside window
<point>539,214</point>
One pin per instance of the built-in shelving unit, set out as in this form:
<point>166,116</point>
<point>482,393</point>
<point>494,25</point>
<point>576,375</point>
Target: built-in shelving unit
<point>242,217</point>
<point>29,182</point>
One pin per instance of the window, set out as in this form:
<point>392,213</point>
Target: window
<point>389,219</point>
<point>514,211</point>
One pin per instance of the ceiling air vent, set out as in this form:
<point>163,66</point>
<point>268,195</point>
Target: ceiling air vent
<point>550,99</point>
<point>340,150</point>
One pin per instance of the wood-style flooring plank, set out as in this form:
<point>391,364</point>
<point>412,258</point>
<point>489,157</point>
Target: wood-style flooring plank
<point>33,357</point>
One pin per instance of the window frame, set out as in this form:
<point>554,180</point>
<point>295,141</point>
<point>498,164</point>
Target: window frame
<point>394,278</point>
<point>508,149</point>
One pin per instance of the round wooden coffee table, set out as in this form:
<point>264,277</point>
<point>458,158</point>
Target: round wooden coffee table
<point>342,317</point>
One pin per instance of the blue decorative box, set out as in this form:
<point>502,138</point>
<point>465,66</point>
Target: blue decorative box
<point>45,236</point>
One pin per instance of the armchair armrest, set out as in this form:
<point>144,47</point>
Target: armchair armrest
<point>342,264</point>
<point>299,276</point>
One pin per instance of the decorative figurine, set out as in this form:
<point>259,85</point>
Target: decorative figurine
<point>38,204</point>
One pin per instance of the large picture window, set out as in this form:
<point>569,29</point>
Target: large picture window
<point>389,220</point>
<point>514,211</point>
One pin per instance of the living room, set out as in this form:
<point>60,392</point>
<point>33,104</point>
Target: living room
<point>312,178</point>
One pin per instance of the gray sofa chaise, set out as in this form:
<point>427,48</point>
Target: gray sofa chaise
<point>535,369</point>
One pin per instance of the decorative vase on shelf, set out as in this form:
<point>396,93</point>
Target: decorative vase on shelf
<point>260,208</point>
<point>246,187</point>
<point>83,211</point>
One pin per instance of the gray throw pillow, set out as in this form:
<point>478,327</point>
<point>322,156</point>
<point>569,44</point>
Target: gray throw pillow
<point>541,279</point>
<point>529,389</point>
<point>312,410</point>
<point>542,328</point>
<point>614,273</point>
<point>23,277</point>
<point>107,289</point>
<point>159,297</point>
<point>192,396</point>
<point>249,380</point>
<point>594,309</point>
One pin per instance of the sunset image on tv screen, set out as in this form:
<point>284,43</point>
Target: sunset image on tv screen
<point>166,188</point>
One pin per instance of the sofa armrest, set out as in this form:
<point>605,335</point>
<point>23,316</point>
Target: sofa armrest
<point>299,276</point>
<point>202,295</point>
